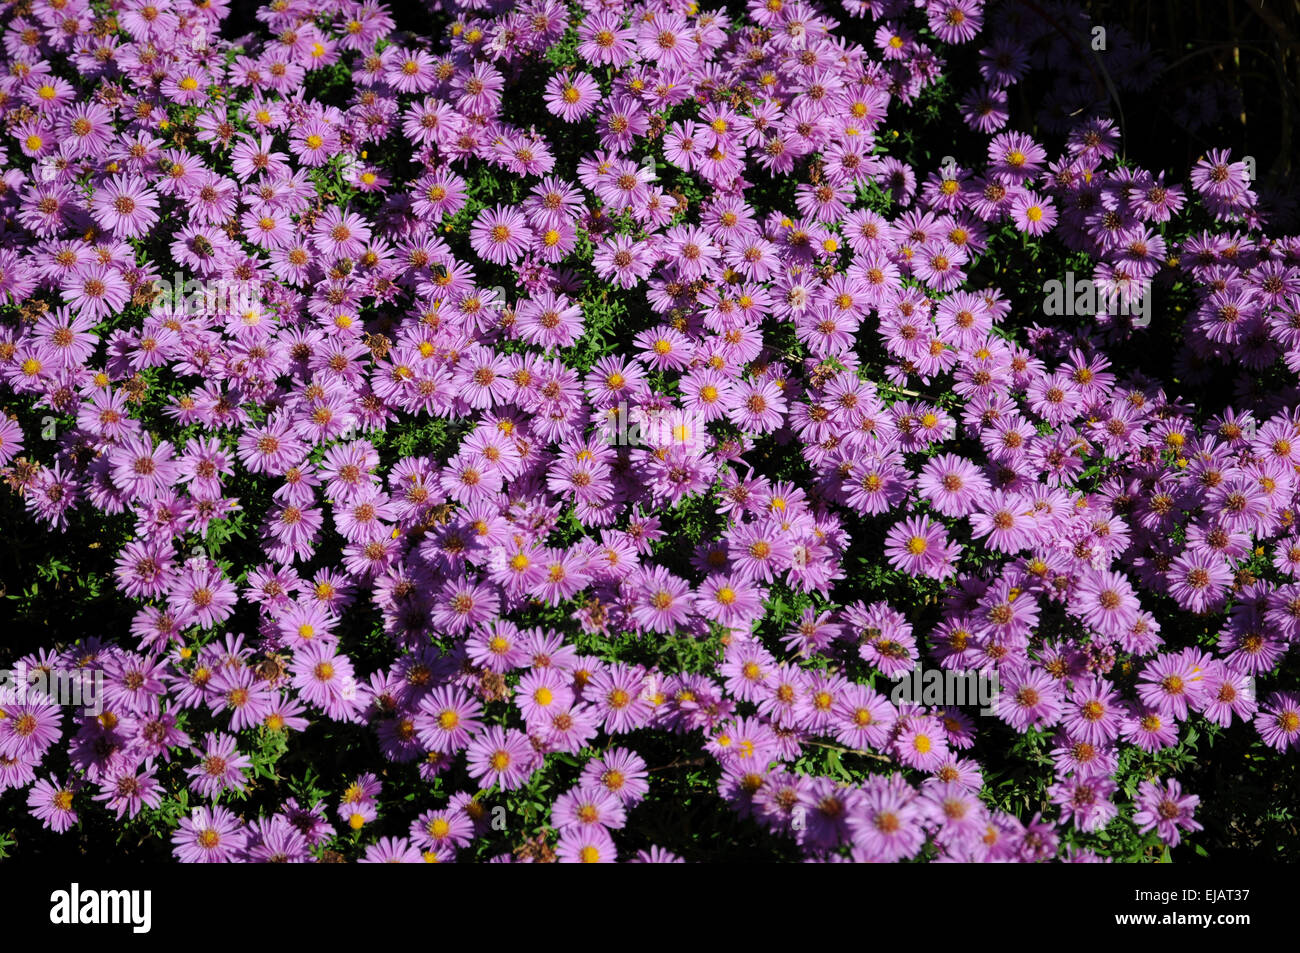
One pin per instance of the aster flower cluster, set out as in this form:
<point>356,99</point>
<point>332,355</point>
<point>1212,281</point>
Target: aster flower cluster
<point>783,289</point>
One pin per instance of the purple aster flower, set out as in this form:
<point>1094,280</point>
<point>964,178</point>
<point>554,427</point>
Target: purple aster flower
<point>1151,729</point>
<point>500,234</point>
<point>1093,714</point>
<point>29,730</point>
<point>921,742</point>
<point>1278,721</point>
<point>125,206</point>
<point>275,840</point>
<point>542,693</point>
<point>324,678</point>
<point>210,835</point>
<point>126,790</point>
<point>1028,698</point>
<point>359,804</point>
<point>619,693</point>
<point>572,95</point>
<point>51,803</point>
<point>392,850</point>
<point>153,734</point>
<point>200,595</point>
<point>1163,807</point>
<point>619,771</point>
<point>663,601</point>
<point>96,291</point>
<point>888,825</point>
<point>502,757</point>
<point>1168,683</point>
<point>221,767</point>
<point>142,469</point>
<point>246,696</point>
<point>585,844</point>
<point>1228,693</point>
<point>920,547</point>
<point>587,806</point>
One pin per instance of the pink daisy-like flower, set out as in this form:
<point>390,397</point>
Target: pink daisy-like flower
<point>664,347</point>
<point>572,95</point>
<point>500,234</point>
<point>624,260</point>
<point>1169,683</point>
<point>921,742</point>
<point>500,756</point>
<point>1004,520</point>
<point>125,206</point>
<point>96,291</point>
<point>542,694</point>
<point>1033,214</point>
<point>663,602</point>
<point>1150,729</point>
<point>313,142</point>
<point>759,407</point>
<point>201,595</point>
<point>691,249</point>
<point>1094,714</point>
<point>392,850</point>
<point>1028,698</point>
<point>325,679</point>
<point>1085,801</point>
<point>619,693</point>
<point>11,439</point>
<point>953,485</point>
<point>87,129</point>
<point>1164,808</point>
<point>1278,721</point>
<point>126,790</point>
<point>920,547</point>
<point>341,234</point>
<point>1199,581</point>
<point>956,21</point>
<point>588,806</point>
<point>209,836</point>
<point>759,551</point>
<point>619,771</point>
<point>888,826</point>
<point>1105,601</point>
<point>604,40</point>
<point>51,803</point>
<point>938,264</point>
<point>549,320</point>
<point>221,767</point>
<point>585,844</point>
<point>141,469</point>
<point>730,601</point>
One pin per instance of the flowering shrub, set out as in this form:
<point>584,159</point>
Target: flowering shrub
<point>561,431</point>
